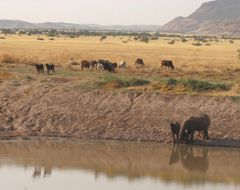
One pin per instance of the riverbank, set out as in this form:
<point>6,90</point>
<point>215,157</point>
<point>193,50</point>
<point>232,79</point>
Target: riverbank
<point>50,111</point>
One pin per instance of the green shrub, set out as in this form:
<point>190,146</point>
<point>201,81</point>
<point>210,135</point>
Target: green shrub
<point>196,44</point>
<point>235,98</point>
<point>112,81</point>
<point>172,82</point>
<point>144,39</point>
<point>184,40</point>
<point>172,42</point>
<point>198,86</point>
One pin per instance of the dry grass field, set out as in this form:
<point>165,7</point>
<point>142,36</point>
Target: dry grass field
<point>217,63</point>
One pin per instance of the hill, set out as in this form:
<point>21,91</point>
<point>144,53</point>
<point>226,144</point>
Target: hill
<point>18,24</point>
<point>215,17</point>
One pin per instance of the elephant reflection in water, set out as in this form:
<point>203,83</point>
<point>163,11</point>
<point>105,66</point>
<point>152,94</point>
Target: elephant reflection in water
<point>189,159</point>
<point>47,171</point>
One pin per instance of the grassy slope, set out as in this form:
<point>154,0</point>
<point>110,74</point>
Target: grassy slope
<point>217,64</point>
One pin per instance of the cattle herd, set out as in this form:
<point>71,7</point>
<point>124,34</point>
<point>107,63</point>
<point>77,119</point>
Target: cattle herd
<point>102,65</point>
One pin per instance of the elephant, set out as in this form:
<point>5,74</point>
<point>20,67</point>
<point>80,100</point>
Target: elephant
<point>195,123</point>
<point>175,128</point>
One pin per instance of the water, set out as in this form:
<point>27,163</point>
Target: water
<point>56,164</point>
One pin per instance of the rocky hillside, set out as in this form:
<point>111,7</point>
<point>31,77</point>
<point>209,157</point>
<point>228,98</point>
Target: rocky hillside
<point>215,17</point>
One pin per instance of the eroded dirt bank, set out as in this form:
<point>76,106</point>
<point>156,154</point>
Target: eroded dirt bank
<point>37,110</point>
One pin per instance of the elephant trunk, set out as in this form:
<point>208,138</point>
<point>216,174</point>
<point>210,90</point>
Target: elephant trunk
<point>182,134</point>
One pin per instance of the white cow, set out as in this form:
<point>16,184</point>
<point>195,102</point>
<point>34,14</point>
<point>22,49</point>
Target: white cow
<point>100,67</point>
<point>123,65</point>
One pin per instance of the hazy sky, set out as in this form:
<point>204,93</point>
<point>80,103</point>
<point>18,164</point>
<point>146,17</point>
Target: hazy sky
<point>98,11</point>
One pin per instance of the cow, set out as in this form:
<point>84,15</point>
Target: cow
<point>122,65</point>
<point>107,65</point>
<point>167,64</point>
<point>50,68</point>
<point>139,62</point>
<point>115,65</point>
<point>40,68</point>
<point>93,65</point>
<point>85,64</point>
<point>100,67</point>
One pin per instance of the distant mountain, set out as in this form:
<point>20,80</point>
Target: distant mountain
<point>215,17</point>
<point>18,24</point>
<point>15,24</point>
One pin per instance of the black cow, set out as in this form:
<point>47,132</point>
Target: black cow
<point>40,68</point>
<point>85,64</point>
<point>50,68</point>
<point>168,64</point>
<point>107,65</point>
<point>115,65</point>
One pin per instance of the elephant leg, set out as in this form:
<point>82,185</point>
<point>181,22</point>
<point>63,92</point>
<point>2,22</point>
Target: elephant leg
<point>192,134</point>
<point>173,138</point>
<point>177,137</point>
<point>206,136</point>
<point>187,137</point>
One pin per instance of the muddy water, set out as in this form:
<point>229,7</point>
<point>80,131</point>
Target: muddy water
<point>56,164</point>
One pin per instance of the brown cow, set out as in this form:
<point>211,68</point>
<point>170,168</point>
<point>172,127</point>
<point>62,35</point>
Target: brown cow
<point>168,64</point>
<point>139,62</point>
<point>85,64</point>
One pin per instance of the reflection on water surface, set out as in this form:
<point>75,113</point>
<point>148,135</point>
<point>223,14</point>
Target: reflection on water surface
<point>72,164</point>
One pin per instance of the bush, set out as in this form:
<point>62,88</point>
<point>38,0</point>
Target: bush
<point>136,38</point>
<point>196,44</point>
<point>184,40</point>
<point>171,82</point>
<point>113,82</point>
<point>103,38</point>
<point>172,42</point>
<point>144,39</point>
<point>235,98</point>
<point>137,82</point>
<point>154,38</point>
<point>199,86</point>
